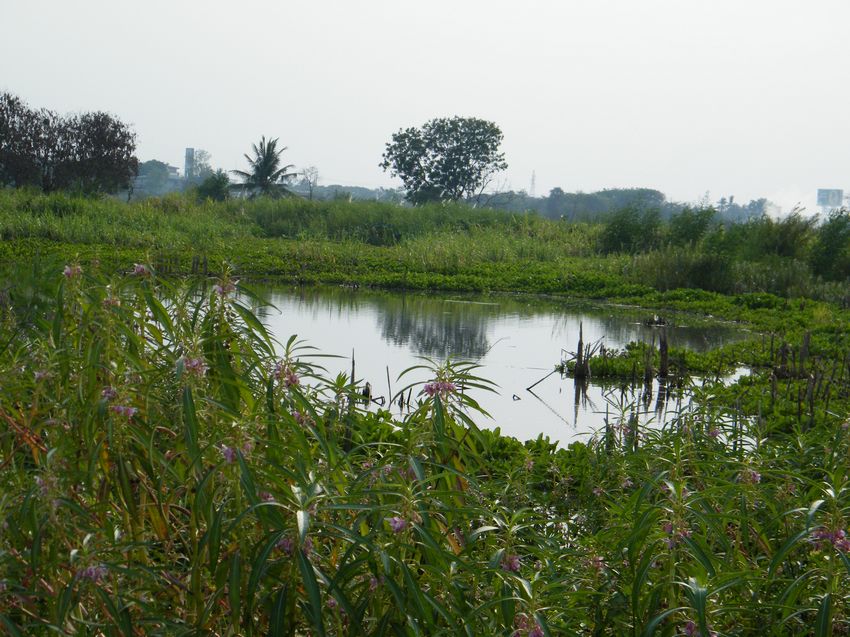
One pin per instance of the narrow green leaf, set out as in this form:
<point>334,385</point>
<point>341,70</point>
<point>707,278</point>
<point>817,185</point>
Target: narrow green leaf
<point>823,622</point>
<point>314,596</point>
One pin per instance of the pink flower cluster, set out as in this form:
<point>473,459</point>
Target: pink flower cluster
<point>225,288</point>
<point>109,393</point>
<point>676,533</point>
<point>93,573</point>
<point>397,524</point>
<point>228,453</point>
<point>301,419</point>
<point>286,545</point>
<point>44,485</point>
<point>194,366</point>
<point>124,410</point>
<point>283,372</point>
<point>690,629</point>
<point>140,270</point>
<point>838,538</point>
<point>524,627</point>
<point>72,271</point>
<point>442,387</point>
<point>511,563</point>
<point>749,476</point>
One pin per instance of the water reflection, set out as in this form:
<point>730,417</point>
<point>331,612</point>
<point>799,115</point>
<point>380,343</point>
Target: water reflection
<point>436,328</point>
<point>517,340</point>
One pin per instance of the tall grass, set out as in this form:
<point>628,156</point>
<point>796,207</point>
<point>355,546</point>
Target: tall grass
<point>168,469</point>
<point>478,248</point>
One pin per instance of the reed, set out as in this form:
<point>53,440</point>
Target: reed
<point>169,469</point>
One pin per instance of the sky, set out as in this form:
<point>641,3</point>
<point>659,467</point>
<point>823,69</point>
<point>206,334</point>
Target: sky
<point>727,97</point>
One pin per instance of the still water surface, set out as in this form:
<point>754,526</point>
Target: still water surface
<point>516,340</point>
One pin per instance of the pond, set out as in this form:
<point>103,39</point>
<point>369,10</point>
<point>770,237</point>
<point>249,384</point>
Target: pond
<point>516,340</point>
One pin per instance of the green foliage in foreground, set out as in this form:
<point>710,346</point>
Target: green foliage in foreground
<point>167,470</point>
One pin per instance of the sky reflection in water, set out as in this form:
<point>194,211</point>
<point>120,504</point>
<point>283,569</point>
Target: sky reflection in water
<point>516,340</point>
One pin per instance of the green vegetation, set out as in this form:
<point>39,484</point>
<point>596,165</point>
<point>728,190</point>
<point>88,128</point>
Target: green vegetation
<point>447,159</point>
<point>438,246</point>
<point>87,152</point>
<point>266,176</point>
<point>168,471</point>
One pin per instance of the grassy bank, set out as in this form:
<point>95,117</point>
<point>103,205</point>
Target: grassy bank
<point>166,472</point>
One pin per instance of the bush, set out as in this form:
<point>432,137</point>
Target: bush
<point>215,187</point>
<point>631,230</point>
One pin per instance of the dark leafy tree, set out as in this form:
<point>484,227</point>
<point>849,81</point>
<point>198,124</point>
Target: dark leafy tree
<point>447,159</point>
<point>216,187</point>
<point>153,177</point>
<point>92,152</point>
<point>102,153</point>
<point>266,176</point>
<point>830,253</point>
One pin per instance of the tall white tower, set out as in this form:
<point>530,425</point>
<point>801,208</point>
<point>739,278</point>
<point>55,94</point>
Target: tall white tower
<point>189,164</point>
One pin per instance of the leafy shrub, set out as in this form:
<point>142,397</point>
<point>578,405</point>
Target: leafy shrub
<point>631,229</point>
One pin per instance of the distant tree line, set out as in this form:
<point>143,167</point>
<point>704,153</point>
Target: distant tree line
<point>88,152</point>
<point>595,206</point>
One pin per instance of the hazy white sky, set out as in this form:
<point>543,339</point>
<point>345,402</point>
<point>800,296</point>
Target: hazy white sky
<point>742,97</point>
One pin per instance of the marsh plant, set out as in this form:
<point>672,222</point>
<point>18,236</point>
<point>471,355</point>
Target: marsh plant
<point>169,469</point>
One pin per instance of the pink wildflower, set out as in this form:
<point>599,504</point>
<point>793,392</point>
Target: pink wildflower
<point>109,393</point>
<point>140,270</point>
<point>690,629</point>
<point>837,538</point>
<point>441,387</point>
<point>72,271</point>
<point>302,419</point>
<point>194,366</point>
<point>93,573</point>
<point>749,476</point>
<point>225,288</point>
<point>283,372</point>
<point>676,533</point>
<point>229,454</point>
<point>124,410</point>
<point>397,524</point>
<point>511,563</point>
<point>520,621</point>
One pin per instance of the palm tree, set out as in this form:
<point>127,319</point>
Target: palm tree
<point>266,176</point>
